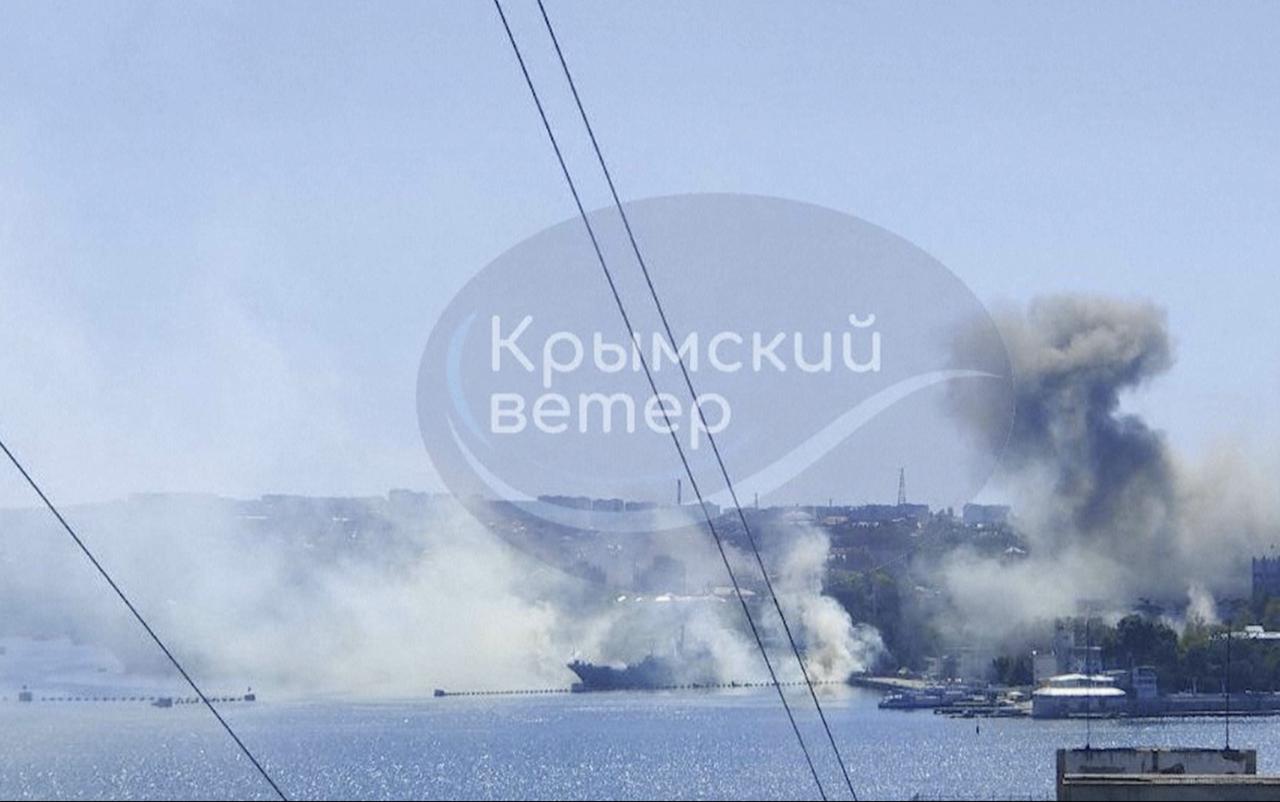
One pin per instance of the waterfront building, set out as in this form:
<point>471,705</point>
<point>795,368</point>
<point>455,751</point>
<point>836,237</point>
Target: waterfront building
<point>1069,695</point>
<point>1043,666</point>
<point>1266,577</point>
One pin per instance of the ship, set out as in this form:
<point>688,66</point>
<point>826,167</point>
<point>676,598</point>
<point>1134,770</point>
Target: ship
<point>651,673</point>
<point>928,698</point>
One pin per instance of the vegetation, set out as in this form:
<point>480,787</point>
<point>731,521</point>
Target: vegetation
<point>1196,660</point>
<point>1007,670</point>
<point>879,575</point>
<point>878,598</point>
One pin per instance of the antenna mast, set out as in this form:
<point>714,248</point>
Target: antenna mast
<point>1088,682</point>
<point>1226,691</point>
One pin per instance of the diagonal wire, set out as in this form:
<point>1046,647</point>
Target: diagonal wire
<point>626,319</point>
<point>724,472</point>
<point>134,610</point>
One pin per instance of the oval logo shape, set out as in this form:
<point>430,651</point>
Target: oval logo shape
<point>825,353</point>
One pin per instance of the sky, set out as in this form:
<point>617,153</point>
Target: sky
<point>226,229</point>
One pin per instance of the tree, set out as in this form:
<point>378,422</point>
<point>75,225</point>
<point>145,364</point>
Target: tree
<point>1007,670</point>
<point>1143,641</point>
<point>1271,614</point>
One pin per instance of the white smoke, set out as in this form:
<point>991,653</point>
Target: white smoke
<point>834,646</point>
<point>398,611</point>
<point>450,607</point>
<point>1201,608</point>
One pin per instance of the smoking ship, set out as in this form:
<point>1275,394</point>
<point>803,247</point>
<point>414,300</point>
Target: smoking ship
<point>649,674</point>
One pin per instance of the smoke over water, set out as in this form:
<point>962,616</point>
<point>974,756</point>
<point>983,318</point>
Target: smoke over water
<point>351,597</point>
<point>1110,512</point>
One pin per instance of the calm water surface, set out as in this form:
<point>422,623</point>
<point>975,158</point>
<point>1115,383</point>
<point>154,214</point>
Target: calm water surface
<point>611,746</point>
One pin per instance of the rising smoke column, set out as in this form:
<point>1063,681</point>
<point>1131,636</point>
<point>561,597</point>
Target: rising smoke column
<point>834,646</point>
<point>1110,477</point>
<point>1110,510</point>
<point>1098,490</point>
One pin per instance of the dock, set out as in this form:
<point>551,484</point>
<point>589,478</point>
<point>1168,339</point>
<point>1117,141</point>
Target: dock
<point>887,683</point>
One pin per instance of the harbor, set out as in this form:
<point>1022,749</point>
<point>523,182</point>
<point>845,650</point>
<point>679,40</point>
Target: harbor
<point>1068,696</point>
<point>637,745</point>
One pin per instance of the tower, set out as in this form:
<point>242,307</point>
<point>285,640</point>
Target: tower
<point>902,487</point>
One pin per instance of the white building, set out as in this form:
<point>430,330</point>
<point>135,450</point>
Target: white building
<point>1078,695</point>
<point>1044,666</point>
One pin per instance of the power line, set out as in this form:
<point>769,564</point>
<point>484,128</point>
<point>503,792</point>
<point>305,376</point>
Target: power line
<point>688,381</point>
<point>134,610</point>
<point>626,319</point>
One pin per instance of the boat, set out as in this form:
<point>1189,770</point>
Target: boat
<point>929,698</point>
<point>651,673</point>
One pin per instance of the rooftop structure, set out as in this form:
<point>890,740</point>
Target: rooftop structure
<point>1069,695</point>
<point>1255,632</point>
<point>1162,774</point>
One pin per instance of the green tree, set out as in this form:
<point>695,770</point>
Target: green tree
<point>1143,641</point>
<point>1012,670</point>
<point>1271,614</point>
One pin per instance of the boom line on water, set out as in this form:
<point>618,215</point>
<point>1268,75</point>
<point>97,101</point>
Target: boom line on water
<point>141,620</point>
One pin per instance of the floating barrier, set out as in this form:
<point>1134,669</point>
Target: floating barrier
<point>440,693</point>
<point>155,701</point>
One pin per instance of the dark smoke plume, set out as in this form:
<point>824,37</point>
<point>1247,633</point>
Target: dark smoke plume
<point>1110,475</point>
<point>1109,509</point>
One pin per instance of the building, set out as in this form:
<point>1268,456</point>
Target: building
<point>1266,577</point>
<point>1070,695</point>
<point>1085,659</point>
<point>1044,665</point>
<point>1141,774</point>
<point>985,515</point>
<point>693,509</point>
<point>1067,655</point>
<point>572,502</point>
<point>1146,684</point>
<point>1254,632</point>
<point>885,513</point>
<point>973,664</point>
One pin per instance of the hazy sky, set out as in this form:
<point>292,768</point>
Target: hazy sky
<point>226,229</point>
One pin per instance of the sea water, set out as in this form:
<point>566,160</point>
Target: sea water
<point>734,744</point>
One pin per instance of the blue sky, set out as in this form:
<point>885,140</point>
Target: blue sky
<point>226,229</point>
